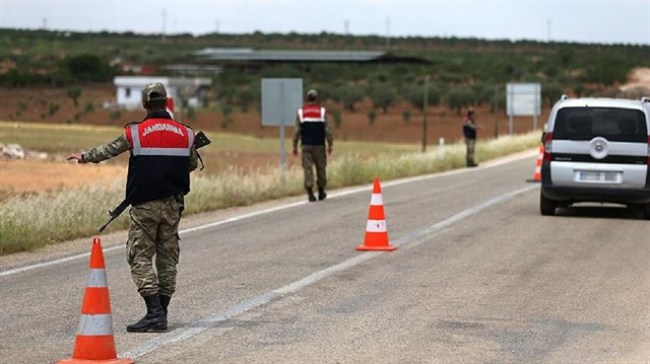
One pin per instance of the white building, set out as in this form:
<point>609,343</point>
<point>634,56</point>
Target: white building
<point>129,89</point>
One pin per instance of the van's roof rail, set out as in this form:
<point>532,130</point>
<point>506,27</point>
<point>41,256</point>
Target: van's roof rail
<point>645,99</point>
<point>564,97</point>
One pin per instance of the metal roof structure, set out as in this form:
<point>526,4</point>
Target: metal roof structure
<point>140,81</point>
<point>252,55</point>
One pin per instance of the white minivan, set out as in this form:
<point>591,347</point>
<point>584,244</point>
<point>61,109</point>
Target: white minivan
<point>597,150</point>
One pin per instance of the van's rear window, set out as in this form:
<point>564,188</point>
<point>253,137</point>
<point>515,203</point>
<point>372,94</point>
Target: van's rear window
<point>613,124</point>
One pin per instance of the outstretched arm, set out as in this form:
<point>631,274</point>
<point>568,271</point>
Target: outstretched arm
<point>103,152</point>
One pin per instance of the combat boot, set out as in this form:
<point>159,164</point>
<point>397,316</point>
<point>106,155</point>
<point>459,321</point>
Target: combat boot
<point>164,303</point>
<point>310,195</point>
<point>154,320</point>
<point>321,194</point>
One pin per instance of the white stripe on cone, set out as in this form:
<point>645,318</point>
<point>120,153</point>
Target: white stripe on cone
<point>376,226</point>
<point>95,325</point>
<point>97,278</point>
<point>376,200</point>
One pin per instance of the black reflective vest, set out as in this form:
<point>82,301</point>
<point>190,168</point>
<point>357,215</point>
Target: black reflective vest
<point>312,124</point>
<point>159,165</point>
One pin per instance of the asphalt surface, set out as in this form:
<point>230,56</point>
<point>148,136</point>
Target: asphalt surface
<point>479,276</point>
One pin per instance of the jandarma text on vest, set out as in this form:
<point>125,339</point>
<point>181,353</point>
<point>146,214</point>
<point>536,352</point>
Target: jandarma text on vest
<point>162,127</point>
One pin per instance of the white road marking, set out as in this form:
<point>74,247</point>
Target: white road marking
<point>414,239</point>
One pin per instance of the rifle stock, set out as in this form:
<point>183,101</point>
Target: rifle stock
<point>201,140</point>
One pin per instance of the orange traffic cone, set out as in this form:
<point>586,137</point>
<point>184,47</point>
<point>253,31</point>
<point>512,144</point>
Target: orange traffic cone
<point>537,176</point>
<point>94,342</point>
<point>376,234</point>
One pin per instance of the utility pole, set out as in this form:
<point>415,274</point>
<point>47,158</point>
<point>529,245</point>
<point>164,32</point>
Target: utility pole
<point>387,34</point>
<point>425,106</point>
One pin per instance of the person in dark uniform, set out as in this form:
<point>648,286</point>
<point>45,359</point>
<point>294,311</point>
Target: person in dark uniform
<point>469,132</point>
<point>313,131</point>
<point>162,155</point>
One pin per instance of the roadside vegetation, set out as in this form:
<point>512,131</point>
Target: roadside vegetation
<point>31,221</point>
<point>461,72</point>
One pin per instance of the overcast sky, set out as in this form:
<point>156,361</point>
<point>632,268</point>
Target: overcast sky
<point>586,21</point>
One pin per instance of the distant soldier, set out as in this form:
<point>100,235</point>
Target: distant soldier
<point>469,132</point>
<point>162,155</point>
<point>312,131</point>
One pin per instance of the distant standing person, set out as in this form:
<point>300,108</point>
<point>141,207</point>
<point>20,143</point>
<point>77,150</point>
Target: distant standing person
<point>312,131</point>
<point>469,132</point>
<point>162,155</point>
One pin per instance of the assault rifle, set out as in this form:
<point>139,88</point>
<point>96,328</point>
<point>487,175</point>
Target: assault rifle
<point>115,213</point>
<point>200,141</point>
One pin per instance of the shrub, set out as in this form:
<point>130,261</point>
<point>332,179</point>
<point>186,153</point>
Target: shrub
<point>87,67</point>
<point>406,115</point>
<point>372,116</point>
<point>415,96</point>
<point>383,97</point>
<point>52,109</point>
<point>74,94</point>
<point>350,95</point>
<point>460,97</point>
<point>226,111</point>
<point>336,113</point>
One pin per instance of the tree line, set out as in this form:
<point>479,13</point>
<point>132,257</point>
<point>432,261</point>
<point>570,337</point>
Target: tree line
<point>462,72</point>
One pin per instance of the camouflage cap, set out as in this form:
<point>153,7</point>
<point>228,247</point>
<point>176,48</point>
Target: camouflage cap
<point>154,91</point>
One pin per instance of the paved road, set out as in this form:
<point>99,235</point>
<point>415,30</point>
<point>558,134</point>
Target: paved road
<point>478,277</point>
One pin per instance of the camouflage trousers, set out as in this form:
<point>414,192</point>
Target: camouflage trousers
<point>153,233</point>
<point>314,155</point>
<point>470,143</point>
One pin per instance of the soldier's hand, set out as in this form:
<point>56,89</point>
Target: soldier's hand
<point>76,156</point>
<point>295,151</point>
<point>329,150</point>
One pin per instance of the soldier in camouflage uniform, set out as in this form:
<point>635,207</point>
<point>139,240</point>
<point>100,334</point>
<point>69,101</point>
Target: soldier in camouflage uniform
<point>469,132</point>
<point>162,155</point>
<point>313,131</point>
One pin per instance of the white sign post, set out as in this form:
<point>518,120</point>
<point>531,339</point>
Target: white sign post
<point>523,99</point>
<point>281,98</point>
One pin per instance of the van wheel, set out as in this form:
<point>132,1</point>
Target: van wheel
<point>646,211</point>
<point>546,206</point>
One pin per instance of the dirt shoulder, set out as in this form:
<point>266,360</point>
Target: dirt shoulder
<point>33,175</point>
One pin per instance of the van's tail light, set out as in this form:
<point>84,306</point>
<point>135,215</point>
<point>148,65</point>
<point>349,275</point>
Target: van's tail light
<point>548,145</point>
